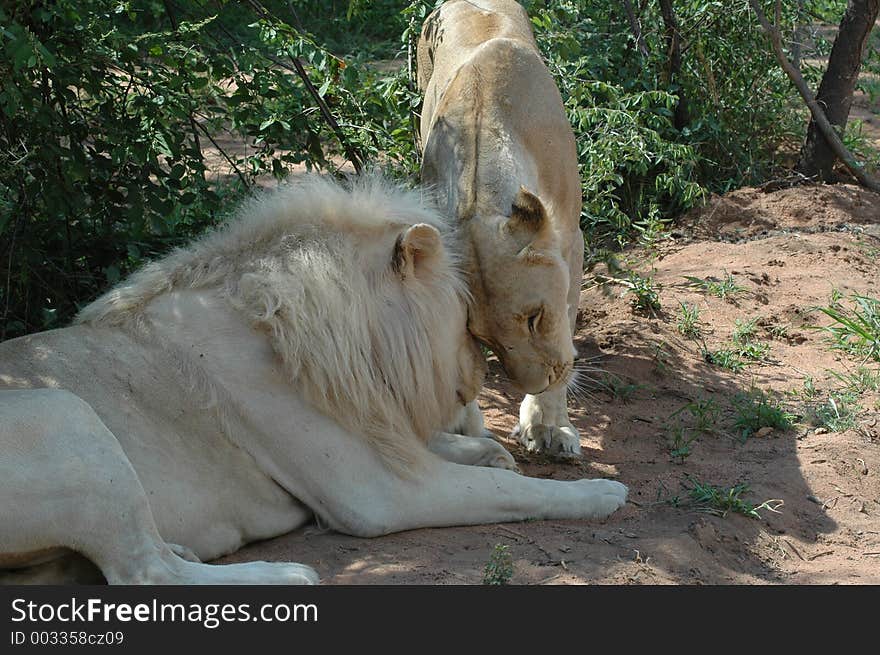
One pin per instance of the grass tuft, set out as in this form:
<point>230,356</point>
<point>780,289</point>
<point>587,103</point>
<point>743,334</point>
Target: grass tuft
<point>837,413</point>
<point>499,568</point>
<point>724,289</point>
<point>754,410</point>
<point>857,330</point>
<point>722,501</point>
<point>689,321</point>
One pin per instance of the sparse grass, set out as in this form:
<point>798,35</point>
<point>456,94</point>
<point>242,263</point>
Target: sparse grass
<point>809,391</point>
<point>837,413</point>
<point>754,410</point>
<point>724,358</point>
<point>646,293</point>
<point>661,357</point>
<point>689,321</point>
<point>704,414</point>
<point>722,501</point>
<point>779,330</point>
<point>742,351</point>
<point>857,330</point>
<point>499,568</point>
<point>754,351</point>
<point>724,289</point>
<point>616,386</point>
<point>680,440</point>
<point>744,331</point>
<point>735,359</point>
<point>860,381</point>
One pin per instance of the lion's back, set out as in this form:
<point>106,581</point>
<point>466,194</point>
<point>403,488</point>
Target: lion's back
<point>131,386</point>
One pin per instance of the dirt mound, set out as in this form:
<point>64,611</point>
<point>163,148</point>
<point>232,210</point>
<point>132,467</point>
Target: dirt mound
<point>749,212</point>
<point>662,419</point>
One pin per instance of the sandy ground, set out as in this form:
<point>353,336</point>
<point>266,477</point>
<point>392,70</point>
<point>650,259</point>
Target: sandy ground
<point>789,250</point>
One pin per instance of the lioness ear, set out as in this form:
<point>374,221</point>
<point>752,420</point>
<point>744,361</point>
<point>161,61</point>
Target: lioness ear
<point>416,250</point>
<point>528,211</point>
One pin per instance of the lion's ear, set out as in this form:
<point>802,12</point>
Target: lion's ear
<point>416,250</point>
<point>527,212</point>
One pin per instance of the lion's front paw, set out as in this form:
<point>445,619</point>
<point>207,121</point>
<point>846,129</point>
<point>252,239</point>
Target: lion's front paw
<point>498,457</point>
<point>559,441</point>
<point>604,497</point>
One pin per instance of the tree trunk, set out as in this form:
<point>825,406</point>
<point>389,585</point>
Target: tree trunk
<point>636,28</point>
<point>673,52</point>
<point>836,90</point>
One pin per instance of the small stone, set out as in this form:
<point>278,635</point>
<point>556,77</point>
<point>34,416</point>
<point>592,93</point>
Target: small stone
<point>763,432</point>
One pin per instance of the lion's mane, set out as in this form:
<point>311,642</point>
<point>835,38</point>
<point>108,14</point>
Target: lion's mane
<point>309,266</point>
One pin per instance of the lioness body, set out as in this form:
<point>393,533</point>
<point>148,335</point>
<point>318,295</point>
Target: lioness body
<point>500,152</point>
<point>231,391</point>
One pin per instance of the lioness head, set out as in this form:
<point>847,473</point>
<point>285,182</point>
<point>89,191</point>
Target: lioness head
<point>520,284</point>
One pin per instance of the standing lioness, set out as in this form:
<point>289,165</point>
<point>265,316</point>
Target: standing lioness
<point>500,152</point>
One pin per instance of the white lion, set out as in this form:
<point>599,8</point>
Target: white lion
<point>500,151</point>
<point>293,364</point>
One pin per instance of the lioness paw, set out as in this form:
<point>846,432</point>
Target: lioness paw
<point>559,441</point>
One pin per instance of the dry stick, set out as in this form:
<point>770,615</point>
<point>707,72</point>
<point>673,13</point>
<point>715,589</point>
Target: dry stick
<point>672,36</point>
<point>353,156</point>
<point>794,550</point>
<point>415,118</point>
<point>223,152</point>
<point>827,129</point>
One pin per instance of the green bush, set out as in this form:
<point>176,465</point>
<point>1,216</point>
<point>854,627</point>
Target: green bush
<point>107,107</point>
<point>637,169</point>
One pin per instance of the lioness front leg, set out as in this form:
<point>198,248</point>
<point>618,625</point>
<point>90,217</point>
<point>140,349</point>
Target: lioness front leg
<point>544,425</point>
<point>65,482</point>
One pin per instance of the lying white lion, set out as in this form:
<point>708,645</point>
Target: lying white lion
<point>500,152</point>
<point>293,364</point>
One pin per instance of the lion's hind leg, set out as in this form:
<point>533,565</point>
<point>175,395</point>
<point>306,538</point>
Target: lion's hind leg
<point>65,482</point>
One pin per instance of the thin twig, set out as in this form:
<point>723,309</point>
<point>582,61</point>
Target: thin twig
<point>350,152</point>
<point>794,550</point>
<point>225,156</point>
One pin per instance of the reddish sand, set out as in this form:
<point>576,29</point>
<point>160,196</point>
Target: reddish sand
<point>789,249</point>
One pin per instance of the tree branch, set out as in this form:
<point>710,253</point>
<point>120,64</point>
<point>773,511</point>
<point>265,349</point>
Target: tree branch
<point>636,27</point>
<point>350,152</point>
<point>223,152</point>
<point>828,131</point>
